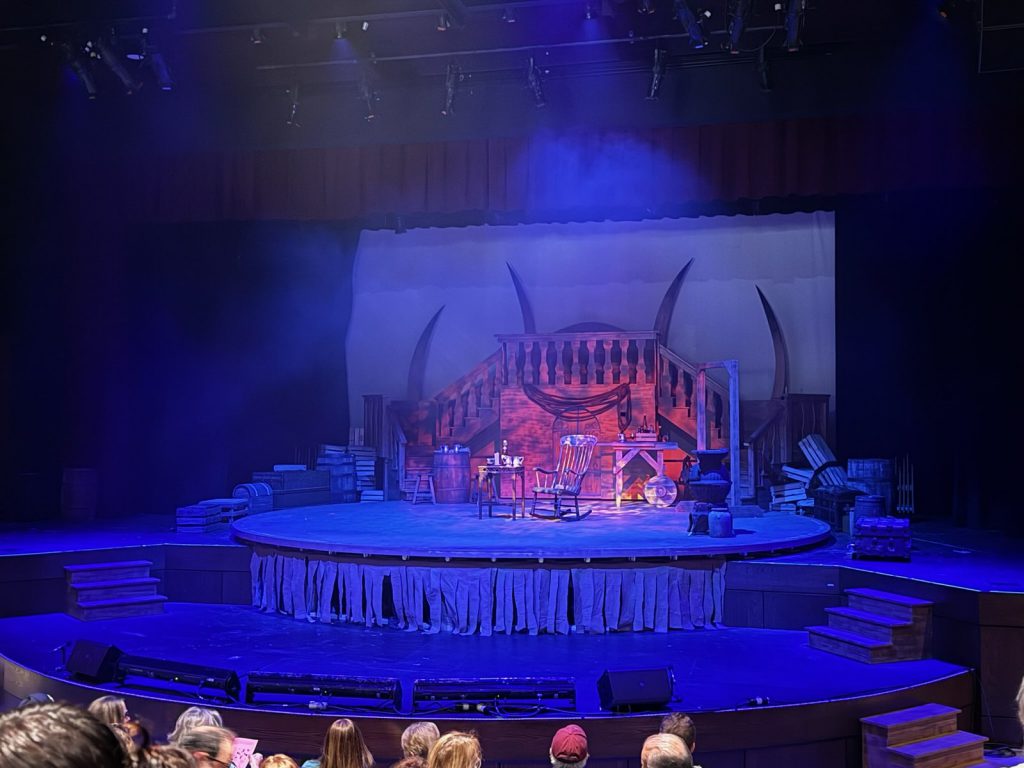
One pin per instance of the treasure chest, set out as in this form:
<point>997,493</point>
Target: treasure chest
<point>882,538</point>
<point>832,503</point>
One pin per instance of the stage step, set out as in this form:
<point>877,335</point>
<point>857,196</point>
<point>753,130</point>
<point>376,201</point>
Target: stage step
<point>850,645</point>
<point>121,569</point>
<point>887,604</point>
<point>116,608</point>
<point>904,726</point>
<point>112,590</point>
<point>950,750</point>
<point>871,625</point>
<point>371,495</point>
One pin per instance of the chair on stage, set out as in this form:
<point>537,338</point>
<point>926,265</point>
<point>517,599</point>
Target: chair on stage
<point>555,487</point>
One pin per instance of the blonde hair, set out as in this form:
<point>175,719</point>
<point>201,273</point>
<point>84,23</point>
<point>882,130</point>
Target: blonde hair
<point>194,717</point>
<point>109,709</point>
<point>278,761</point>
<point>456,749</point>
<point>418,738</point>
<point>344,747</point>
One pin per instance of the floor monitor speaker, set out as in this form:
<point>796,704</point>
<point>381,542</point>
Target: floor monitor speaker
<point>94,661</point>
<point>634,690</point>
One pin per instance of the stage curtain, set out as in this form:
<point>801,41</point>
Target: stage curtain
<point>465,601</point>
<point>604,174</point>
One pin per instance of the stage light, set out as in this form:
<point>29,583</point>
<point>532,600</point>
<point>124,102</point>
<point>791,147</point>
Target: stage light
<point>112,58</point>
<point>81,70</point>
<point>946,8</point>
<point>178,677</point>
<point>293,113</point>
<point>692,21</point>
<point>534,83</point>
<point>365,25</point>
<point>340,30</point>
<point>444,22</point>
<point>256,38</point>
<point>588,11</point>
<point>645,7</point>
<point>738,12</point>
<point>508,15</point>
<point>452,76</point>
<point>657,73</point>
<point>493,695</point>
<point>794,13</point>
<point>319,692</point>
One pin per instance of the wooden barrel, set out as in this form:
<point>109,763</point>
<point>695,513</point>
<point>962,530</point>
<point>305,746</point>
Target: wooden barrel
<point>451,477</point>
<point>259,495</point>
<point>874,477</point>
<point>78,494</point>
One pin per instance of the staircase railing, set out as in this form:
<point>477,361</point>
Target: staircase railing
<point>579,359</point>
<point>468,396</point>
<point>677,391</point>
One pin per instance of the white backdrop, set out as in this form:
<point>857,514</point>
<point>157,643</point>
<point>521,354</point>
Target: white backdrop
<point>609,272</point>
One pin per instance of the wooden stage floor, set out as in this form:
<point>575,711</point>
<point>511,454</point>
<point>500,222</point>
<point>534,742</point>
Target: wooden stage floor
<point>636,531</point>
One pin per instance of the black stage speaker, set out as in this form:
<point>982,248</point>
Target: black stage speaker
<point>632,690</point>
<point>94,661</point>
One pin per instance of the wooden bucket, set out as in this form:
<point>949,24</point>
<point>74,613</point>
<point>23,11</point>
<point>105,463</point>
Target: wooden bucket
<point>874,477</point>
<point>78,494</point>
<point>451,477</point>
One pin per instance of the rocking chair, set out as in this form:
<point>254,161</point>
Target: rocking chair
<point>564,482</point>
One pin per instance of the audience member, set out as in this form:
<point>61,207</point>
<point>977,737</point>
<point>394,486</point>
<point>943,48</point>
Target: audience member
<point>57,735</point>
<point>109,710</point>
<point>681,725</point>
<point>124,736</point>
<point>278,761</point>
<point>569,748</point>
<point>193,717</point>
<point>410,762</point>
<point>456,749</point>
<point>343,748</point>
<point>665,750</point>
<point>418,738</point>
<point>165,756</point>
<point>210,746</point>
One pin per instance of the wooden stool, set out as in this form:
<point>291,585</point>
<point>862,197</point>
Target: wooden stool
<point>426,480</point>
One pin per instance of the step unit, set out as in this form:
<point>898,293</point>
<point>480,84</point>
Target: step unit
<point>919,737</point>
<point>851,645</point>
<point>112,590</point>
<point>875,626</point>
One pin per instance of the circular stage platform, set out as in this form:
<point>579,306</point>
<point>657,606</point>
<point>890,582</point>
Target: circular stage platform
<point>454,532</point>
<point>446,568</point>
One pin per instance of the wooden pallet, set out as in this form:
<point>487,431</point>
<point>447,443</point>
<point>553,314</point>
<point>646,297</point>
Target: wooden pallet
<point>819,455</point>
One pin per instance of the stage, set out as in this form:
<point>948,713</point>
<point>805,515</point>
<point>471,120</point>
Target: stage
<point>632,568</point>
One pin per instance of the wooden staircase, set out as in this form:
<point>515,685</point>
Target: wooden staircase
<point>875,626</point>
<point>112,590</point>
<point>919,737</point>
<point>366,472</point>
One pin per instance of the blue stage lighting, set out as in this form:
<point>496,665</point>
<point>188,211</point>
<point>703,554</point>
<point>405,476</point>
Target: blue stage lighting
<point>692,21</point>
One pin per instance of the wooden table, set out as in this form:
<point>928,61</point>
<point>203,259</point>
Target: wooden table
<point>490,489</point>
<point>650,451</point>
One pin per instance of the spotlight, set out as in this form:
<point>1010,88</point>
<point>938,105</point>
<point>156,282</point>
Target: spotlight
<point>533,82</point>
<point>444,22</point>
<point>794,12</point>
<point>645,7</point>
<point>365,25</point>
<point>340,30</point>
<point>293,114</point>
<point>692,22</point>
<point>256,38</point>
<point>452,76</point>
<point>588,11</point>
<point>508,15</point>
<point>738,12</point>
<point>77,65</point>
<point>112,59</point>
<point>946,8</point>
<point>657,73</point>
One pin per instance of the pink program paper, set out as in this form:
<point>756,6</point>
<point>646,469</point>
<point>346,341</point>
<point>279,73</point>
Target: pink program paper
<point>242,752</point>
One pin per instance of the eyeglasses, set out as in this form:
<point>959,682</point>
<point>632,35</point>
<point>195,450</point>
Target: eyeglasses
<point>213,759</point>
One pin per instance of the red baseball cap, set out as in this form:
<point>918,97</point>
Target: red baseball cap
<point>569,744</point>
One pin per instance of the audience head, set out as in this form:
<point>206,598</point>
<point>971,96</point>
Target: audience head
<point>124,736</point>
<point>456,749</point>
<point>165,756</point>
<point>278,761</point>
<point>193,717</point>
<point>210,746</point>
<point>681,725</point>
<point>57,734</point>
<point>665,750</point>
<point>569,747</point>
<point>418,738</point>
<point>344,747</point>
<point>109,709</point>
<point>410,762</point>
